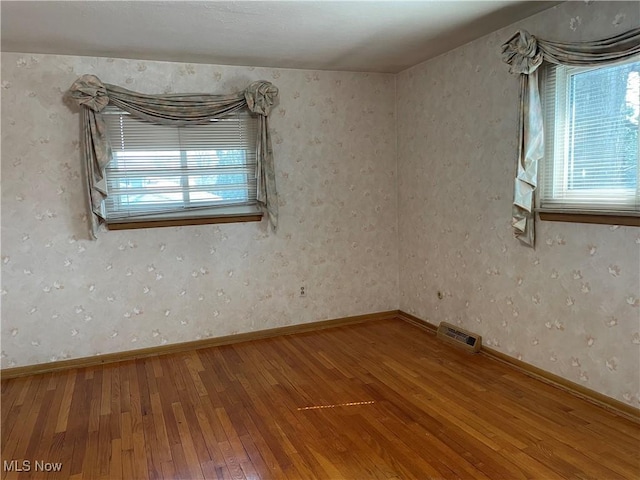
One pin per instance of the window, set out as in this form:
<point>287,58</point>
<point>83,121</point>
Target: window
<point>167,173</point>
<point>591,140</point>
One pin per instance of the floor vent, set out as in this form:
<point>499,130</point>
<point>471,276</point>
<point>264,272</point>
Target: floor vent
<point>460,337</point>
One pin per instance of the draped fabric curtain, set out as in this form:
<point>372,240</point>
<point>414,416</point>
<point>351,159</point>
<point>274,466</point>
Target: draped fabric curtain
<point>525,53</point>
<point>177,110</point>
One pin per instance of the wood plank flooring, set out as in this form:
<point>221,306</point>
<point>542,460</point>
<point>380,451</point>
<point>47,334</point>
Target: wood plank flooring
<point>377,400</point>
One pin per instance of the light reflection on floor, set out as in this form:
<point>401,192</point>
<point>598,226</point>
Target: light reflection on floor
<point>350,404</point>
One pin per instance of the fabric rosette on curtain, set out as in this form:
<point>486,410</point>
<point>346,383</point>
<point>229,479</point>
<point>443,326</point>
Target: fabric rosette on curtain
<point>525,53</point>
<point>171,109</point>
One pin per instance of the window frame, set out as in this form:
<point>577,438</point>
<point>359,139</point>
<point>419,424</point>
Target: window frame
<point>551,102</point>
<point>229,213</point>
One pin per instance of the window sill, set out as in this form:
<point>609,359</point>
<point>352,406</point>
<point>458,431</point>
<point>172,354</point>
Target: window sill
<point>205,217</point>
<point>625,220</point>
<point>184,222</point>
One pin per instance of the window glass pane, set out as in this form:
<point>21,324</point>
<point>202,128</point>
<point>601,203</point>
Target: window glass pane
<point>603,146</point>
<point>219,175</point>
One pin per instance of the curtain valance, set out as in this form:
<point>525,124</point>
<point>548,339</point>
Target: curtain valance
<point>525,53</point>
<point>170,109</point>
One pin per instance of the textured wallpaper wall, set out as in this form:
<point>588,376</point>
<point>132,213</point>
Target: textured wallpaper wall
<point>571,306</point>
<point>64,296</point>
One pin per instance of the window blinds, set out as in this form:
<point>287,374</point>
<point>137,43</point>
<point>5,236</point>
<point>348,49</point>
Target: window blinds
<point>167,169</point>
<point>591,139</point>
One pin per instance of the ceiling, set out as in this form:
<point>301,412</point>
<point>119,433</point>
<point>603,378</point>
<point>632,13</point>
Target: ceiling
<point>372,36</point>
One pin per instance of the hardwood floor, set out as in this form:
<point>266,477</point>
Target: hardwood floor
<point>378,400</point>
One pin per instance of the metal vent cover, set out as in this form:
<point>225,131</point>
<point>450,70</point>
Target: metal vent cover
<point>458,336</point>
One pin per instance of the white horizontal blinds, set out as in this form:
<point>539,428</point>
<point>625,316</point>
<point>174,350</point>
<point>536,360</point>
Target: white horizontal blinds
<point>591,127</point>
<point>159,168</point>
<point>552,98</point>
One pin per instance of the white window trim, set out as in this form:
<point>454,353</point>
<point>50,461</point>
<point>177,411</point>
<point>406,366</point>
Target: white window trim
<point>213,213</point>
<point>613,205</point>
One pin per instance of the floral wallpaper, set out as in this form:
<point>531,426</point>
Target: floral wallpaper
<point>65,296</point>
<point>572,305</point>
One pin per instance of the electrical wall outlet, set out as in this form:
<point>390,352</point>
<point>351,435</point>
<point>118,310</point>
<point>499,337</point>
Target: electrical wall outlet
<point>303,291</point>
